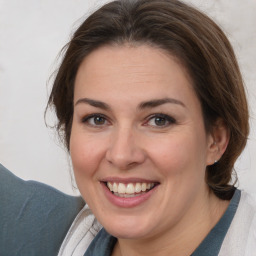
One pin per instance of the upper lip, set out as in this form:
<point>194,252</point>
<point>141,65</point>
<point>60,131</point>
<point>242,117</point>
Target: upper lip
<point>128,180</point>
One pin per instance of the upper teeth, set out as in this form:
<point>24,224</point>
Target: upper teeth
<point>129,188</point>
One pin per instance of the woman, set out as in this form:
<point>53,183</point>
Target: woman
<point>151,106</point>
<point>147,100</point>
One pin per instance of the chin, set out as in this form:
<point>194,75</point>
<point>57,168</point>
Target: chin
<point>127,233</point>
<point>128,229</point>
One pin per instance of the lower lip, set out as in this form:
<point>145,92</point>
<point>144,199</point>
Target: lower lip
<point>128,202</point>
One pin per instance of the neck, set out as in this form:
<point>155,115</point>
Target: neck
<point>183,238</point>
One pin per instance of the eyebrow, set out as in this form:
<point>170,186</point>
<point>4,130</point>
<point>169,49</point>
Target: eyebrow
<point>146,104</point>
<point>94,103</point>
<point>157,102</point>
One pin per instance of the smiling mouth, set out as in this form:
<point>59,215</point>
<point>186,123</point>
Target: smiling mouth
<point>130,189</point>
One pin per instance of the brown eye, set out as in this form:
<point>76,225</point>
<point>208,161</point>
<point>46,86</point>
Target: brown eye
<point>160,120</point>
<point>95,120</point>
<point>99,120</point>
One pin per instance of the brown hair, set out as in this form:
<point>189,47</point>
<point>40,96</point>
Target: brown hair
<point>183,32</point>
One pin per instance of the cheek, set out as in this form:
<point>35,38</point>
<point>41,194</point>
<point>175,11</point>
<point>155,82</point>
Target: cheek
<point>181,154</point>
<point>85,154</point>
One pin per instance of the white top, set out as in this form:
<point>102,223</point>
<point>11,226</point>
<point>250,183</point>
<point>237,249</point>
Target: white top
<point>239,241</point>
<point>241,237</point>
<point>83,230</point>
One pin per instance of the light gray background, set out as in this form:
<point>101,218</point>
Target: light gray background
<point>31,34</point>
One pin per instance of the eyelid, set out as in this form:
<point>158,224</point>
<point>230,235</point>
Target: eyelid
<point>89,116</point>
<point>168,118</point>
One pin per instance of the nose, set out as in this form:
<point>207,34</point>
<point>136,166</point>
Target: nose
<point>125,150</point>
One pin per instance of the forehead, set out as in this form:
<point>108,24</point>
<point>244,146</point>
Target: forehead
<point>132,70</point>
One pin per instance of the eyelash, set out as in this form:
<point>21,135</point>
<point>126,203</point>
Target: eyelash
<point>87,118</point>
<point>166,118</point>
<point>170,120</point>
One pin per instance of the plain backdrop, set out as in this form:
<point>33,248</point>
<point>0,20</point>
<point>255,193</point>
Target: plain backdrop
<point>32,32</point>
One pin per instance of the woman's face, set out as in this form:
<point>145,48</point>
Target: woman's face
<point>138,130</point>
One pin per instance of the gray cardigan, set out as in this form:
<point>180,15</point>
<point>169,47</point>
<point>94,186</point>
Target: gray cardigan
<point>34,218</point>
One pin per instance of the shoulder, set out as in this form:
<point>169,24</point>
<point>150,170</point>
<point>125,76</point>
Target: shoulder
<point>241,236</point>
<point>249,201</point>
<point>34,217</point>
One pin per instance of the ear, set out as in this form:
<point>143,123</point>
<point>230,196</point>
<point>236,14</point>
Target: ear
<point>217,141</point>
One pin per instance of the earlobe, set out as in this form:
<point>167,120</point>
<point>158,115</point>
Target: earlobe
<point>219,138</point>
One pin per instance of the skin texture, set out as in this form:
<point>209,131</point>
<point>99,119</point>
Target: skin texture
<point>128,143</point>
